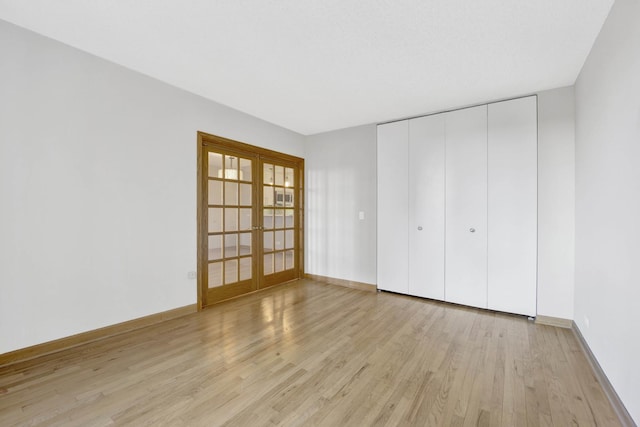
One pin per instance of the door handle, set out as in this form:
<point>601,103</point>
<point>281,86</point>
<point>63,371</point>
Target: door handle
<point>472,230</point>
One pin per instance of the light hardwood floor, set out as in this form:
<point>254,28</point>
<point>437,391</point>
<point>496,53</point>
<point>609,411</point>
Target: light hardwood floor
<point>308,353</point>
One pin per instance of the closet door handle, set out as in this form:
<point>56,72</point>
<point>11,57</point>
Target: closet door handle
<point>419,228</point>
<point>472,230</point>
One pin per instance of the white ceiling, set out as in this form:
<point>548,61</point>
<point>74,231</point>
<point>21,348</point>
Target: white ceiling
<point>318,65</point>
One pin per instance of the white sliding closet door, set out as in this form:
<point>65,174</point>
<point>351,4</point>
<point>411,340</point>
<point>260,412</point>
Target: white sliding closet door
<point>512,179</point>
<point>466,207</point>
<point>426,206</point>
<point>393,199</point>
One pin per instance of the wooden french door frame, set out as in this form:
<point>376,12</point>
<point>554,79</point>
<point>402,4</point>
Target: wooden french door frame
<point>259,156</point>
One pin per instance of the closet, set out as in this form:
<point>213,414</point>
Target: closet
<point>457,206</point>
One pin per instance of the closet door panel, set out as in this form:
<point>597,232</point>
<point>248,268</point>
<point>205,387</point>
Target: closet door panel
<point>426,206</point>
<point>512,199</point>
<point>466,207</point>
<point>392,227</point>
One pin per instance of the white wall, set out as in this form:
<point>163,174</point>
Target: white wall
<point>341,182</point>
<point>98,189</point>
<point>556,202</point>
<point>608,201</point>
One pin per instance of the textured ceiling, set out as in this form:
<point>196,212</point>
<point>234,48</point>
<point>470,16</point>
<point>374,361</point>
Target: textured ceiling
<point>313,66</point>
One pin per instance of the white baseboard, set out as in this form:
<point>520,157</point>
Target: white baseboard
<point>38,350</point>
<point>342,282</point>
<point>609,391</point>
<point>554,321</point>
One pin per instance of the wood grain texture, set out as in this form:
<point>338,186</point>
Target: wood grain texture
<point>314,354</point>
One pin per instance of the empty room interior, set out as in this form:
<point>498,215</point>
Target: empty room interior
<point>249,213</point>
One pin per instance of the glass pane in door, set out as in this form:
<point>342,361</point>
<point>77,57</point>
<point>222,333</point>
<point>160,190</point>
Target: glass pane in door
<point>245,170</point>
<point>268,264</point>
<point>245,268</point>
<point>215,275</point>
<point>288,260</point>
<point>215,247</point>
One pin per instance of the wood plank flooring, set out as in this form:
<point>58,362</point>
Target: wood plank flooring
<point>313,354</point>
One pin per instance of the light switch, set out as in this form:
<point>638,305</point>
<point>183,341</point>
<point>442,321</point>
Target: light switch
<point>361,215</point>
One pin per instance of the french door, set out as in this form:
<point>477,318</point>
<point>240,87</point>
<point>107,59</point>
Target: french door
<point>250,218</point>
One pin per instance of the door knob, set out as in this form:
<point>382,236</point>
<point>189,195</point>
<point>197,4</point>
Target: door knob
<point>419,228</point>
<point>472,230</point>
